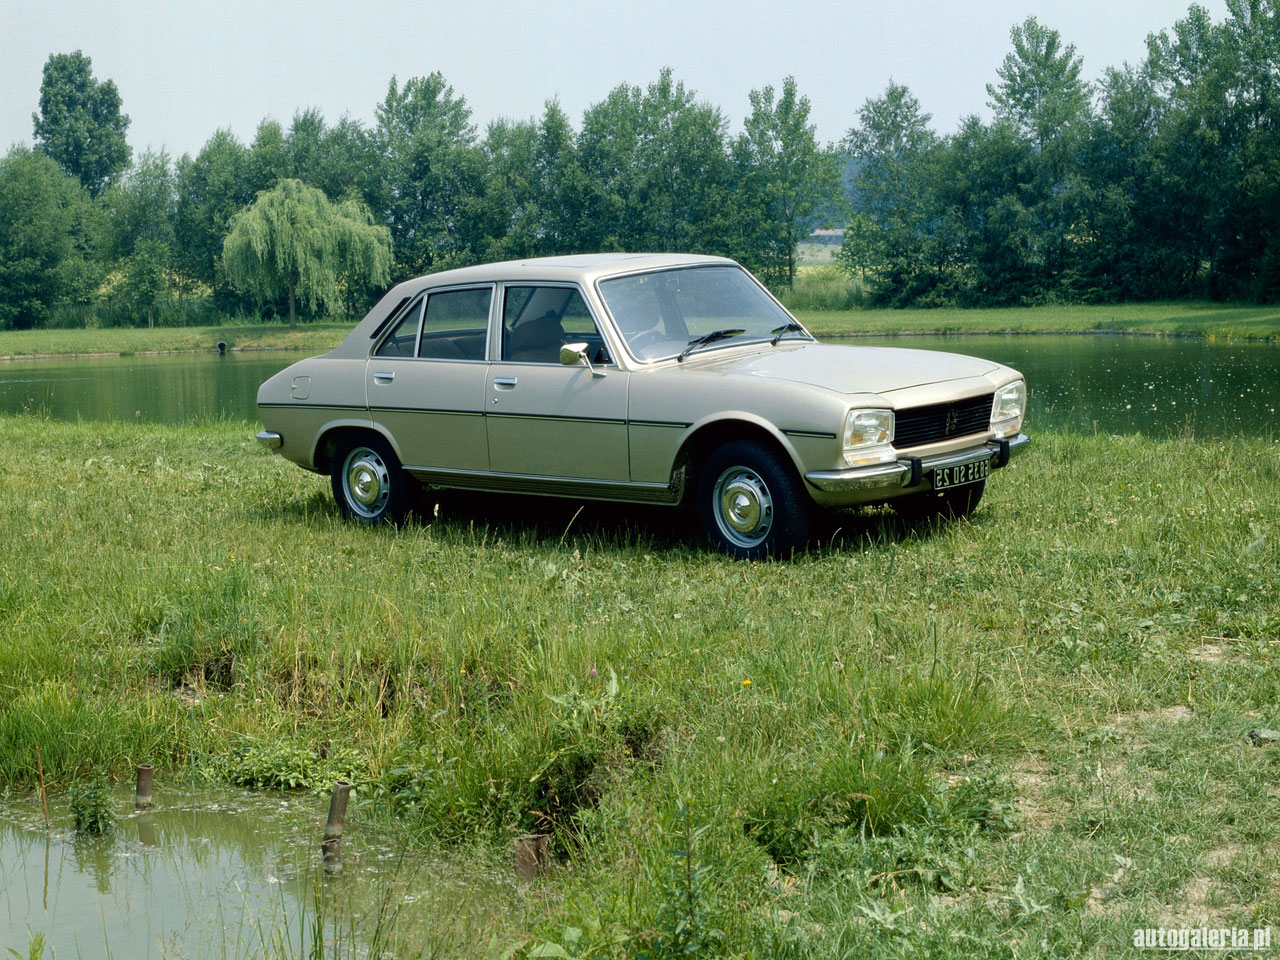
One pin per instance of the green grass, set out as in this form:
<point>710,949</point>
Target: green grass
<point>136,340</point>
<point>1180,318</point>
<point>1017,735</point>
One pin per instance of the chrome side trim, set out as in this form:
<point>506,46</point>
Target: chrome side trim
<point>547,486</point>
<point>269,439</point>
<point>890,476</point>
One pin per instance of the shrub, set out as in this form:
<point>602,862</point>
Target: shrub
<point>91,808</point>
<point>824,288</point>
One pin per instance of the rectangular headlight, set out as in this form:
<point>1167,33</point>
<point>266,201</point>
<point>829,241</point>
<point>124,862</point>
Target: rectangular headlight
<point>1007,409</point>
<point>868,437</point>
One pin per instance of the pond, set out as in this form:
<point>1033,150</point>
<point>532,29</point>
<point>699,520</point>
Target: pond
<point>221,872</point>
<point>1112,384</point>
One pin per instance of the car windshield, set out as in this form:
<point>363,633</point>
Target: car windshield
<point>658,314</point>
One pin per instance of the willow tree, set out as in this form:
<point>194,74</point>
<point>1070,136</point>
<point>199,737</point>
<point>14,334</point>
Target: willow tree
<point>293,242</point>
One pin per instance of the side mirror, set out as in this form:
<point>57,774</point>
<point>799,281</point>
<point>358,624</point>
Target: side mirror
<point>572,354</point>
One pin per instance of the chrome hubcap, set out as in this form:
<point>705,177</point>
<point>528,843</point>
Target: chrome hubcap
<point>743,507</point>
<point>366,482</point>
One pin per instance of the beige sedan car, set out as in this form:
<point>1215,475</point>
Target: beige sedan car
<point>651,378</point>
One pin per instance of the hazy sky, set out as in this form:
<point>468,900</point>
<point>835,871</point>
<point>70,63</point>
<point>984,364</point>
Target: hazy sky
<point>185,69</point>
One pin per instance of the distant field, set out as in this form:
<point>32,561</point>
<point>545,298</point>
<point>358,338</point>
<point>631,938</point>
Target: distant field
<point>1170,319</point>
<point>817,253</point>
<point>129,340</point>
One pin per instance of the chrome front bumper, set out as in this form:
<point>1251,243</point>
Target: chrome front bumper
<point>909,471</point>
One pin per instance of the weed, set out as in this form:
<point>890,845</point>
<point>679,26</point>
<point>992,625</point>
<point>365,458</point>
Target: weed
<point>281,763</point>
<point>91,808</point>
<point>684,924</point>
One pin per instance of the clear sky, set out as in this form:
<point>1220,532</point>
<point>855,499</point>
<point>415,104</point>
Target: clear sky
<point>185,69</point>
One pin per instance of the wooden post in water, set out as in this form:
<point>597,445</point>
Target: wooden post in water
<point>331,848</point>
<point>530,853</point>
<point>44,799</point>
<point>142,795</point>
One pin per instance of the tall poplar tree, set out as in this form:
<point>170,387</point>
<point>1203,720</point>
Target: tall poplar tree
<point>79,123</point>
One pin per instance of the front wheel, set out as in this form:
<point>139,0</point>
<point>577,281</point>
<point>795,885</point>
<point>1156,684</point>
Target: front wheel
<point>946,504</point>
<point>751,502</point>
<point>369,484</point>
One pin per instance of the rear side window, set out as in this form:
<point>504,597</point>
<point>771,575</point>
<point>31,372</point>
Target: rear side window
<point>403,341</point>
<point>456,324</point>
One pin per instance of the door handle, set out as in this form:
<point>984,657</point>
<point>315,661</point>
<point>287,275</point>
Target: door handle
<point>504,383</point>
<point>383,376</point>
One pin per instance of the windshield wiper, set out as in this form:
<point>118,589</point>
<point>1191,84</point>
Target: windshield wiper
<point>711,337</point>
<point>788,327</point>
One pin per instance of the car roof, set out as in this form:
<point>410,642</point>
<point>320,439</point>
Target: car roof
<point>583,267</point>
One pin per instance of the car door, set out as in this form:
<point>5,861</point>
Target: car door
<point>425,381</point>
<point>544,418</point>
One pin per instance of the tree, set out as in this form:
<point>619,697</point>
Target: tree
<point>789,174</point>
<point>141,205</point>
<point>657,170</point>
<point>896,153</point>
<point>212,188</point>
<point>79,123</point>
<point>560,185</point>
<point>1041,95</point>
<point>140,215</point>
<point>49,232</point>
<point>294,243</point>
<point>431,168</point>
<point>146,284</point>
<point>1040,90</point>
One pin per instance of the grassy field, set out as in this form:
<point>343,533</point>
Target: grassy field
<point>133,340</point>
<point>1165,319</point>
<point>1019,735</point>
<point>1170,319</point>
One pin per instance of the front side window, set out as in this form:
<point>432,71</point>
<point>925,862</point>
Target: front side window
<point>537,321</point>
<point>659,313</point>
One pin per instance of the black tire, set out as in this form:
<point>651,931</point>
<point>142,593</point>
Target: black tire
<point>751,502</point>
<point>942,504</point>
<point>369,485</point>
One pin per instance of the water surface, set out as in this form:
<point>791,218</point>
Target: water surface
<point>1112,384</point>
<point>219,872</point>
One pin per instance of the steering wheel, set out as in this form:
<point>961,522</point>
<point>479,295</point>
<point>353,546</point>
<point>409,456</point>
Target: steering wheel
<point>644,339</point>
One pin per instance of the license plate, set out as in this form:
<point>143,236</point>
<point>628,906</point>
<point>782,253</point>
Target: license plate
<point>961,473</point>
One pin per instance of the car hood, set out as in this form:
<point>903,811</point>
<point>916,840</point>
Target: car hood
<point>852,369</point>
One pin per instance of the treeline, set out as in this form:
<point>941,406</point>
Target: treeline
<point>649,169</point>
<point>1160,181</point>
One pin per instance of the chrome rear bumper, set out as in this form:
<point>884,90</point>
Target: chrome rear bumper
<point>269,439</point>
<point>909,471</point>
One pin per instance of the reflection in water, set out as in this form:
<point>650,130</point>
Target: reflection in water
<point>1157,386</point>
<point>220,873</point>
<point>1114,384</point>
<point>173,388</point>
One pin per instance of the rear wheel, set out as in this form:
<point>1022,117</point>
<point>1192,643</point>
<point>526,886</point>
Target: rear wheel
<point>751,502</point>
<point>947,504</point>
<point>369,484</point>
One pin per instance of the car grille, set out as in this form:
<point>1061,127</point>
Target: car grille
<point>917,426</point>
